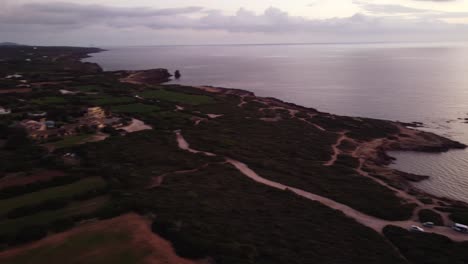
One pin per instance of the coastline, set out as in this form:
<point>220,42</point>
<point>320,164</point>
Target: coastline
<point>255,168</point>
<point>374,159</point>
<point>372,154</point>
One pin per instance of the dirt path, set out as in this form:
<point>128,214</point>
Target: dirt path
<point>367,220</point>
<point>336,150</point>
<point>157,180</point>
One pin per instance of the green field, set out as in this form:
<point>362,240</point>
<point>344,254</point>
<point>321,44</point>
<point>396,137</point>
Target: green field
<point>177,97</point>
<point>79,247</point>
<point>47,217</point>
<point>50,100</point>
<point>65,191</point>
<point>72,140</point>
<point>88,88</point>
<point>111,100</point>
<point>105,244</point>
<point>134,108</point>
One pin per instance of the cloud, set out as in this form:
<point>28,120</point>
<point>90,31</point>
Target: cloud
<point>387,8</point>
<point>436,0</point>
<point>63,18</point>
<point>60,13</point>
<point>107,11</point>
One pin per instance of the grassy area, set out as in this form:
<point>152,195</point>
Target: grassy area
<point>177,97</point>
<point>80,248</point>
<point>135,108</point>
<point>72,141</point>
<point>105,242</point>
<point>220,213</point>
<point>65,191</point>
<point>425,248</point>
<point>46,218</point>
<point>132,160</point>
<point>50,100</point>
<point>88,88</point>
<point>111,100</point>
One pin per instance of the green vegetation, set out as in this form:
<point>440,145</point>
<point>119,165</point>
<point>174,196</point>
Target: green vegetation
<point>134,108</point>
<point>112,100</point>
<point>72,141</point>
<point>177,97</point>
<point>50,100</point>
<point>260,225</point>
<point>424,248</point>
<point>46,218</point>
<point>132,161</point>
<point>427,215</point>
<point>113,247</point>
<point>458,214</point>
<point>460,217</point>
<point>88,88</point>
<point>65,191</point>
<point>103,244</point>
<point>297,161</point>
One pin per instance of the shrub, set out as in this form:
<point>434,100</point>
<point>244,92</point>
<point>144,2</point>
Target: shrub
<point>427,215</point>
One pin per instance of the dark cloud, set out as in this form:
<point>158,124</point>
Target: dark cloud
<point>59,13</point>
<point>107,11</point>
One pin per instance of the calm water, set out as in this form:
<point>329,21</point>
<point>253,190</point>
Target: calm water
<point>427,83</point>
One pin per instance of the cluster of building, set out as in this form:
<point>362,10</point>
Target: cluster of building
<point>40,128</point>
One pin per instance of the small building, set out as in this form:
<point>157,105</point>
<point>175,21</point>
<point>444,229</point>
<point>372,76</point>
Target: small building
<point>94,116</point>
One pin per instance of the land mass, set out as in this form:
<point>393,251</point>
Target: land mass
<point>223,175</point>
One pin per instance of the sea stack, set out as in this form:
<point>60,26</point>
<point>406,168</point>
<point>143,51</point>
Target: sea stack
<point>177,74</point>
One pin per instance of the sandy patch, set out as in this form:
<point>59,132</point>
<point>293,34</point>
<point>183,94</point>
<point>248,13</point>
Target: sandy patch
<point>136,125</point>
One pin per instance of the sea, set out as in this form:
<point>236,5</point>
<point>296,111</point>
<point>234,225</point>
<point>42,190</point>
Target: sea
<point>410,82</point>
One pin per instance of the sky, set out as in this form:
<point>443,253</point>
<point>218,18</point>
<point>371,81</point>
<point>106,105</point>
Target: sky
<point>188,22</point>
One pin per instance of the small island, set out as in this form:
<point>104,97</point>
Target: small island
<point>205,174</point>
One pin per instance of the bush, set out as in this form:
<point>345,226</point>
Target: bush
<point>54,204</point>
<point>28,234</point>
<point>185,246</point>
<point>427,248</point>
<point>427,215</point>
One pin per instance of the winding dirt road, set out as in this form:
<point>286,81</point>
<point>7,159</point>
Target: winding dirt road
<point>367,220</point>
